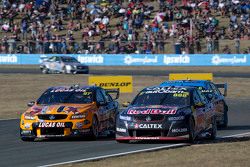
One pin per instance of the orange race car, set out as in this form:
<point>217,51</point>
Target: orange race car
<point>74,111</point>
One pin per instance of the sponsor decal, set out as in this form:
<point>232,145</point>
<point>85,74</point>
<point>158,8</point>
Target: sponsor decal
<point>182,59</point>
<point>147,138</point>
<point>121,130</point>
<point>151,111</point>
<point>93,59</point>
<point>79,125</point>
<point>217,60</point>
<point>51,125</point>
<point>124,83</point>
<point>71,109</point>
<point>179,130</point>
<point>176,118</point>
<point>8,59</point>
<point>175,90</point>
<point>143,60</point>
<point>125,118</point>
<point>148,126</point>
<point>67,90</point>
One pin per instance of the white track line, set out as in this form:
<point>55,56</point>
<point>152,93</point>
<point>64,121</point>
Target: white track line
<point>116,155</point>
<point>237,135</point>
<point>8,119</point>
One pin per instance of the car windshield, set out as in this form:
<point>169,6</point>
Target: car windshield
<point>69,59</point>
<point>168,99</point>
<point>53,97</point>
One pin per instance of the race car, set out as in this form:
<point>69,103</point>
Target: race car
<point>70,111</point>
<point>206,86</point>
<point>167,113</point>
<point>63,64</point>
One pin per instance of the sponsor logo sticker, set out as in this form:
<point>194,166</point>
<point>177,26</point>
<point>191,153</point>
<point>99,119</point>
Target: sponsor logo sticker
<point>148,126</point>
<point>51,125</point>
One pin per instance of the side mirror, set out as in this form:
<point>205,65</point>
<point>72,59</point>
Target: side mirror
<point>210,96</point>
<point>31,103</point>
<point>125,104</point>
<point>101,103</point>
<point>199,105</point>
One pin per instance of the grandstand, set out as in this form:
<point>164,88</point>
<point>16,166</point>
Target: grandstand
<point>124,26</point>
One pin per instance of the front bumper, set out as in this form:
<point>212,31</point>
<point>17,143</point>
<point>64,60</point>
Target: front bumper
<point>161,130</point>
<point>54,129</point>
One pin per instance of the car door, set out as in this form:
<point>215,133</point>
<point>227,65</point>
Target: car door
<point>111,109</point>
<point>218,100</point>
<point>208,109</point>
<point>102,109</point>
<point>198,111</point>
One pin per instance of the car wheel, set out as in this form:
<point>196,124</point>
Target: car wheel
<point>213,130</point>
<point>122,141</point>
<point>191,135</point>
<point>94,129</point>
<point>45,70</point>
<point>225,118</point>
<point>64,71</point>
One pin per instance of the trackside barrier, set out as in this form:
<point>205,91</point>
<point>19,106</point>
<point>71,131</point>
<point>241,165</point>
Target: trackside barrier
<point>137,59</point>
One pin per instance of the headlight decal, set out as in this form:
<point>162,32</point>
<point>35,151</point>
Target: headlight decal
<point>125,118</point>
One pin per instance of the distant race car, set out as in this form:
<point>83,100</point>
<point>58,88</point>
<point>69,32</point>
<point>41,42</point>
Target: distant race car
<point>75,111</point>
<point>63,64</point>
<point>210,90</point>
<point>167,113</point>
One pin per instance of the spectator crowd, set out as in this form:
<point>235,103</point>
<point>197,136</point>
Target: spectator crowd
<point>124,26</point>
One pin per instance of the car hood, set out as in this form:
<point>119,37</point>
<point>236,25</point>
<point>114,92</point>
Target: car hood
<point>60,109</point>
<point>154,109</point>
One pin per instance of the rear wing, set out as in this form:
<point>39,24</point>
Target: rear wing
<point>191,76</point>
<point>114,93</point>
<point>222,86</point>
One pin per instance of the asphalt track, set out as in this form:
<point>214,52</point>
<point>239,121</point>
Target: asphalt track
<point>15,152</point>
<point>128,71</point>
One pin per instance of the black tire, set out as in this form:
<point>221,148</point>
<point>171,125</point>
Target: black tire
<point>213,130</point>
<point>225,119</point>
<point>64,71</point>
<point>122,141</point>
<point>27,138</point>
<point>191,135</point>
<point>94,129</point>
<point>45,70</point>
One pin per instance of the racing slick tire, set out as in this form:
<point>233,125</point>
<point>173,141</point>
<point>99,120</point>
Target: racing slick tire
<point>191,135</point>
<point>225,117</point>
<point>45,70</point>
<point>64,71</point>
<point>94,129</point>
<point>213,130</point>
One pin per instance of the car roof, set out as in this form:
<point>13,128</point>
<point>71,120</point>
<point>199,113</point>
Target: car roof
<point>195,83</point>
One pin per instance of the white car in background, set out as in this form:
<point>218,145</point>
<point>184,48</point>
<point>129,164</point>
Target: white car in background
<point>63,64</point>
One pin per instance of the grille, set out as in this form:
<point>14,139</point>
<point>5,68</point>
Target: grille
<point>52,116</point>
<point>145,133</point>
<point>52,131</point>
<point>153,118</point>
